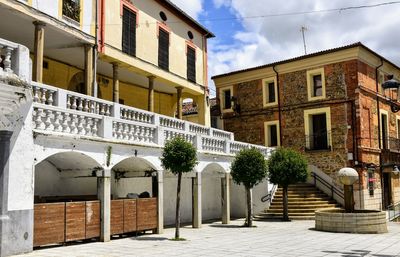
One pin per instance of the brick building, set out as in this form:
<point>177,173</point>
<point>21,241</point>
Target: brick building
<point>329,105</point>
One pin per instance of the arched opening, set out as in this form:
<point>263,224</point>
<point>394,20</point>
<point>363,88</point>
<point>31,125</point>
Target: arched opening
<point>213,186</point>
<point>77,83</point>
<point>66,176</point>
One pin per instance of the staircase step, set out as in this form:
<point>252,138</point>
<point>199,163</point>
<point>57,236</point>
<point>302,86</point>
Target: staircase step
<point>308,206</point>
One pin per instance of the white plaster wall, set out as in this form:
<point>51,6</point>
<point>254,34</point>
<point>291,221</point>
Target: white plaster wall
<point>50,7</point>
<point>211,196</point>
<point>88,15</point>
<point>50,182</point>
<point>121,187</point>
<point>20,196</point>
<point>238,199</point>
<point>170,184</point>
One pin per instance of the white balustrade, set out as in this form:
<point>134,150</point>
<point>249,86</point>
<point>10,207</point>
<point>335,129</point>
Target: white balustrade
<point>133,114</point>
<point>53,119</point>
<point>169,122</point>
<point>213,144</point>
<point>134,132</point>
<point>44,94</point>
<point>222,134</point>
<point>235,147</point>
<point>171,134</point>
<point>198,129</point>
<point>84,103</point>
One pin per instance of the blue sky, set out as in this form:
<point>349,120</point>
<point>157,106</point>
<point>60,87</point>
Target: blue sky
<point>244,42</point>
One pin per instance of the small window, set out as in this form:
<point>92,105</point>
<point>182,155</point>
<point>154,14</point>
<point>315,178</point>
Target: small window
<point>163,49</point>
<point>384,130</point>
<point>190,35</point>
<point>227,99</point>
<point>72,9</point>
<point>191,64</point>
<point>163,16</point>
<point>317,85</point>
<point>129,32</point>
<point>271,130</point>
<point>271,92</point>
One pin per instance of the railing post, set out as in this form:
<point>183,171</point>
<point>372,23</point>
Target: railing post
<point>106,128</point>
<point>156,119</point>
<point>61,98</point>
<point>159,137</point>
<point>187,127</point>
<point>198,142</point>
<point>227,146</point>
<point>116,111</point>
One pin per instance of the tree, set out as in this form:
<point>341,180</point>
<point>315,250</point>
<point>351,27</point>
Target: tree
<point>179,156</point>
<point>249,168</point>
<point>287,166</point>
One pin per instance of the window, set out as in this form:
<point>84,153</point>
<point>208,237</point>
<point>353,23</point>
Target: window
<point>191,64</point>
<point>225,96</point>
<point>128,31</point>
<point>163,49</point>
<point>271,133</point>
<point>316,84</point>
<point>72,9</point>
<point>384,129</point>
<point>270,94</point>
<point>317,129</point>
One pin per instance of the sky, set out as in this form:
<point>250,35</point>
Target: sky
<point>244,39</point>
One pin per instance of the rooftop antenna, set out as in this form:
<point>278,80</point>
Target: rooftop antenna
<point>303,30</point>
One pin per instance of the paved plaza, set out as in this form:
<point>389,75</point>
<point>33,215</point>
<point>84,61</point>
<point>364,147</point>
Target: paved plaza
<point>296,238</point>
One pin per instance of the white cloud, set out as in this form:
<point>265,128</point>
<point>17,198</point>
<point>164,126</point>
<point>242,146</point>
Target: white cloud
<point>191,7</point>
<point>266,40</point>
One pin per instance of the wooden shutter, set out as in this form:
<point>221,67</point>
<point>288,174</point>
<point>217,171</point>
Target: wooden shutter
<point>163,49</point>
<point>191,64</point>
<point>129,32</point>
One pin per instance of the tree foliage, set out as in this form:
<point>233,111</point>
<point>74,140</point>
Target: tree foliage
<point>286,167</point>
<point>179,156</point>
<point>249,167</point>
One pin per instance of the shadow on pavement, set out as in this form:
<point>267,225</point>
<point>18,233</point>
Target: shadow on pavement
<point>149,238</point>
<point>358,253</point>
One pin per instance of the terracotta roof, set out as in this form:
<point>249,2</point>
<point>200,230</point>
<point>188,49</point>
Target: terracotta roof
<point>180,13</point>
<point>332,50</point>
<point>188,108</point>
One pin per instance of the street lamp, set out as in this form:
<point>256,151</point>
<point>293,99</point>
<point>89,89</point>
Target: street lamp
<point>392,84</point>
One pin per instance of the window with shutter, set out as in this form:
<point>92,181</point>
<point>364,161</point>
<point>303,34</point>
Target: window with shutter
<point>129,32</point>
<point>163,49</point>
<point>191,64</point>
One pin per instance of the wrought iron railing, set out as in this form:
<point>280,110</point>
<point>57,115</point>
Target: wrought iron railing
<point>393,211</point>
<point>270,195</point>
<point>318,141</point>
<point>333,190</point>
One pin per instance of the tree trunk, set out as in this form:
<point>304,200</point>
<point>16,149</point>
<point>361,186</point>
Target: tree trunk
<point>285,204</point>
<point>249,221</point>
<point>178,200</point>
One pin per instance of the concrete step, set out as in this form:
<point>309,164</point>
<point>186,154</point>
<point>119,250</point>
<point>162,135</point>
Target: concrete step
<point>304,202</point>
<point>292,195</point>
<point>302,199</point>
<point>305,206</point>
<point>279,217</point>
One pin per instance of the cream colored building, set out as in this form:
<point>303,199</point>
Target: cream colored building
<point>151,54</point>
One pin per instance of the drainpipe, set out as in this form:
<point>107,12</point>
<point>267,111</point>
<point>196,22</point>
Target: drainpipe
<point>355,146</point>
<point>95,51</point>
<point>379,133</point>
<point>279,105</point>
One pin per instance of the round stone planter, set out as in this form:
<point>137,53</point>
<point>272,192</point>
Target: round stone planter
<point>360,221</point>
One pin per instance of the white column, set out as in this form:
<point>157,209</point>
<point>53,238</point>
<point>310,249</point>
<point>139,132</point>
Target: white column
<point>104,195</point>
<point>197,217</point>
<point>226,199</point>
<point>160,202</point>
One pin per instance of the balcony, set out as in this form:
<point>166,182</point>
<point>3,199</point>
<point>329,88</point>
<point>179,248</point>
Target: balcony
<point>318,142</point>
<point>61,112</point>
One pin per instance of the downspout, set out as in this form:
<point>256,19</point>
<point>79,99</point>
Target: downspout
<point>279,105</point>
<point>355,147</point>
<point>379,133</point>
<point>95,50</point>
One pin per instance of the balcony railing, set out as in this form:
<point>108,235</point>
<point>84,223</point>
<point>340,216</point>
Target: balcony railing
<point>319,141</point>
<point>57,111</point>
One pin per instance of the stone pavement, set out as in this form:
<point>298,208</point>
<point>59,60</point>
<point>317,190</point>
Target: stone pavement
<point>296,238</point>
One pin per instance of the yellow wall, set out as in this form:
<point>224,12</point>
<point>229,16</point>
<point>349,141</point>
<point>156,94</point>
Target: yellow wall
<point>147,36</point>
<point>60,75</point>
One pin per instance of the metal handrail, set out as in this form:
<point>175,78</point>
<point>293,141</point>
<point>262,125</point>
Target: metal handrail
<point>333,189</point>
<point>393,211</point>
<point>268,197</point>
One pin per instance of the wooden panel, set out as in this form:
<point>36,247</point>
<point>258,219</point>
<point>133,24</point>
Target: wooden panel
<point>93,226</point>
<point>129,215</point>
<point>75,221</point>
<point>117,217</point>
<point>147,213</point>
<point>49,223</point>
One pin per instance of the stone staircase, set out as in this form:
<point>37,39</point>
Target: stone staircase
<point>304,200</point>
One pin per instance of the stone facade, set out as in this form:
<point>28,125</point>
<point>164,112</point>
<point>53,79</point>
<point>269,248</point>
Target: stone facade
<point>351,96</point>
